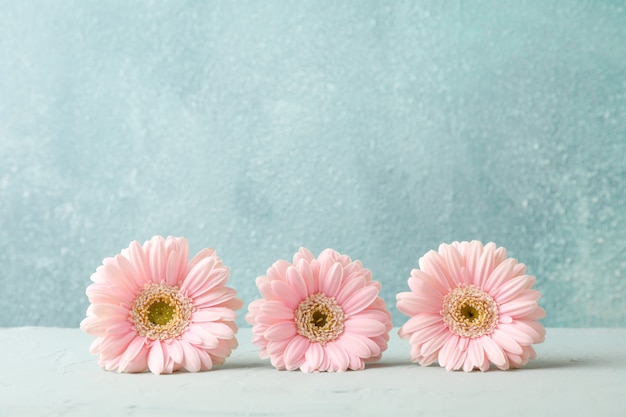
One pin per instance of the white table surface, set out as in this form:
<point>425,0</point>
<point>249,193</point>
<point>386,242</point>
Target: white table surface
<point>49,372</point>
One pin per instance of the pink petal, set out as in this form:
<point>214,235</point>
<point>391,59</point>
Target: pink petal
<point>493,351</point>
<point>214,298</point>
<point>304,268</point>
<point>285,294</point>
<point>157,262</point>
<point>175,350</point>
<point>419,321</point>
<point>303,254</point>
<point>379,315</point>
<point>449,353</point>
<point>200,335</point>
<point>219,329</point>
<point>156,360</point>
<point>349,288</point>
<point>278,271</point>
<point>130,272</point>
<point>360,300</point>
<point>518,308</point>
<point>365,327</point>
<point>506,342</point>
<point>203,254</point>
<point>191,361</point>
<point>339,359</point>
<point>354,345</point>
<point>198,276</point>
<point>510,289</point>
<point>294,352</point>
<point>455,263</point>
<point>485,264</point>
<point>331,282</point>
<point>110,311</point>
<point>281,331</point>
<point>426,333</point>
<point>206,363</point>
<point>171,270</point>
<point>473,255</point>
<point>500,274</point>
<point>314,356</point>
<point>277,348</point>
<point>295,280</point>
<point>204,316</point>
<point>436,342</point>
<point>410,304</point>
<point>277,310</point>
<point>434,265</point>
<point>182,255</point>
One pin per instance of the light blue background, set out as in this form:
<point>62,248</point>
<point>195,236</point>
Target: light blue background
<point>380,129</point>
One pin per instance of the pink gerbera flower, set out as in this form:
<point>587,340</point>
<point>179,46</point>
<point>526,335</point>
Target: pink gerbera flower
<point>152,309</point>
<point>319,314</point>
<point>471,305</point>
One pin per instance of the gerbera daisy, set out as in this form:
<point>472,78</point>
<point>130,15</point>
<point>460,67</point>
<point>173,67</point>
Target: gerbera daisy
<point>153,309</point>
<point>319,314</point>
<point>470,306</point>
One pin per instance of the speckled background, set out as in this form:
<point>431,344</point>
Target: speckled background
<point>378,128</point>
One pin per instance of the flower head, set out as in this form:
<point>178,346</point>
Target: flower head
<point>319,314</point>
<point>152,309</point>
<point>470,306</point>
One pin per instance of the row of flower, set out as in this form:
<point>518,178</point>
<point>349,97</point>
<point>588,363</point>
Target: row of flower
<point>469,306</point>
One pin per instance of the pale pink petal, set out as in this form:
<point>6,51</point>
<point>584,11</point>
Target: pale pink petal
<point>297,283</point>
<point>314,356</point>
<point>354,345</point>
<point>157,261</point>
<point>419,321</point>
<point>198,276</point>
<point>339,359</point>
<point>485,265</point>
<point>502,273</point>
<point>285,294</point>
<point>191,360</point>
<point>175,350</point>
<point>204,316</point>
<point>206,363</point>
<point>349,288</point>
<point>330,284</point>
<point>156,359</point>
<point>203,254</point>
<point>365,327</point>
<point>494,352</point>
<point>359,300</point>
<point>277,310</point>
<point>304,268</point>
<point>294,352</point>
<point>434,265</point>
<point>511,289</point>
<point>280,331</point>
<point>171,270</point>
<point>506,341</point>
<point>303,254</point>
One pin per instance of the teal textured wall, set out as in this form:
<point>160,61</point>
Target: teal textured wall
<point>380,129</point>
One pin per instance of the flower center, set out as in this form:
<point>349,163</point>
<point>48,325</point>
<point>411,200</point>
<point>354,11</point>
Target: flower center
<point>161,312</point>
<point>319,318</point>
<point>469,312</point>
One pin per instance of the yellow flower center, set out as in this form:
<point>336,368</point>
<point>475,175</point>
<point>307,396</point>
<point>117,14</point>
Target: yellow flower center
<point>469,312</point>
<point>161,312</point>
<point>319,318</point>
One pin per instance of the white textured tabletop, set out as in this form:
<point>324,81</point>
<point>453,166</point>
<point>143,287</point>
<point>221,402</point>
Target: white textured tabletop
<point>49,372</point>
